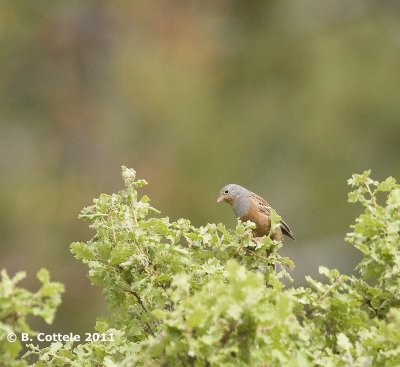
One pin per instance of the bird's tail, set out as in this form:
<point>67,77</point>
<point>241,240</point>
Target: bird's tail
<point>286,230</point>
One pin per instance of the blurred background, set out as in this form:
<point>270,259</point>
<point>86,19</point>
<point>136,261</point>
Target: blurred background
<point>286,98</point>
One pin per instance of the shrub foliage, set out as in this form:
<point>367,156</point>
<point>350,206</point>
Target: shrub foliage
<point>209,296</point>
<point>16,304</point>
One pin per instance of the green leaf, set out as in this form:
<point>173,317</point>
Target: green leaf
<point>387,185</point>
<point>343,342</point>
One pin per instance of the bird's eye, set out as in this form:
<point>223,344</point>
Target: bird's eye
<point>226,192</point>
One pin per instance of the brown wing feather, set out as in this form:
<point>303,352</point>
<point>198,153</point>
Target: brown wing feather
<point>262,205</point>
<point>265,208</point>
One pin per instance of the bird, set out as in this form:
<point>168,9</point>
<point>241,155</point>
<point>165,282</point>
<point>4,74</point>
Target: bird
<point>249,206</point>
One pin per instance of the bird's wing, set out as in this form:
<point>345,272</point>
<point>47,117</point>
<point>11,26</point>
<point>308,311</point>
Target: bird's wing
<point>265,208</point>
<point>262,205</point>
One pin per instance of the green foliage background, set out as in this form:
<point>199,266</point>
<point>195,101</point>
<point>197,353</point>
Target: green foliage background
<point>208,296</point>
<point>286,98</point>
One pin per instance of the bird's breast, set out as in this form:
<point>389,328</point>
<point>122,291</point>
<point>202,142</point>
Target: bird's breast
<point>261,220</point>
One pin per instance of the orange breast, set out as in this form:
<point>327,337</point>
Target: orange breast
<point>261,220</point>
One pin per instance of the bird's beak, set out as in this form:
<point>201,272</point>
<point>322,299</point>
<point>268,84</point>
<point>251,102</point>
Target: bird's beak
<point>220,198</point>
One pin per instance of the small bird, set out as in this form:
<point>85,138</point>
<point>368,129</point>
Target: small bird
<point>249,206</point>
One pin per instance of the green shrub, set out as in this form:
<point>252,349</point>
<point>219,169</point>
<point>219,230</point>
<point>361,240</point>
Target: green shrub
<point>18,303</point>
<point>209,296</point>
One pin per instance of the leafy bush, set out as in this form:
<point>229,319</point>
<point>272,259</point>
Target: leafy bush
<point>18,303</point>
<point>209,296</point>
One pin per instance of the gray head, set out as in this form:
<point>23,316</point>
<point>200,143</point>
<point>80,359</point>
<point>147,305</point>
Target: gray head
<point>237,196</point>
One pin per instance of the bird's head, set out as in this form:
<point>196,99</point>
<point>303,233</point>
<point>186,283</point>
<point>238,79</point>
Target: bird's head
<point>229,193</point>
